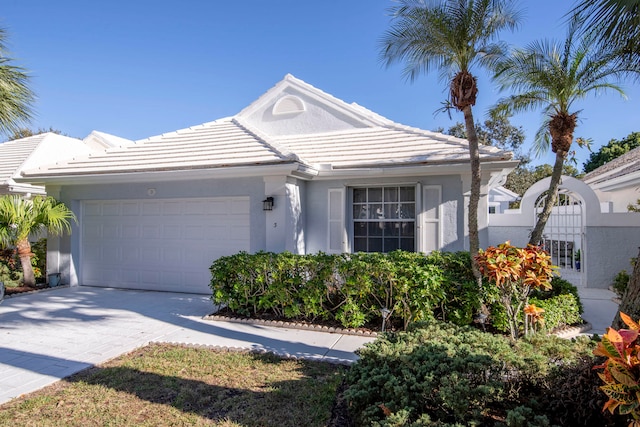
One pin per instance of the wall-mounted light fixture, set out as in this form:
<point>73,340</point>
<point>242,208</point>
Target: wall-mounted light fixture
<point>267,204</point>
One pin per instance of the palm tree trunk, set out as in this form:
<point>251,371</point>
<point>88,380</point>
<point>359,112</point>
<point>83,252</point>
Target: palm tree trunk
<point>24,253</point>
<point>549,201</point>
<point>630,302</point>
<point>474,198</point>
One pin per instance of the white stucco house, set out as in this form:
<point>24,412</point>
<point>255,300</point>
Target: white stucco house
<point>500,198</point>
<point>297,170</point>
<point>31,152</point>
<point>617,183</point>
<point>37,150</point>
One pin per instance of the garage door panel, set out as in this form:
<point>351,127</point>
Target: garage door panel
<point>111,209</point>
<point>160,244</point>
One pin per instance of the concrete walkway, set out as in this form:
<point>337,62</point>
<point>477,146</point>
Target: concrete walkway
<point>599,309</point>
<point>49,335</point>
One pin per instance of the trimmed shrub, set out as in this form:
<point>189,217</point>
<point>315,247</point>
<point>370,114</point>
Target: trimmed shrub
<point>559,311</point>
<point>448,374</point>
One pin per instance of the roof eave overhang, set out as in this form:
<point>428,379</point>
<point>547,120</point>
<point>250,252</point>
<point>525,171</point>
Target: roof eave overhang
<point>624,181</point>
<point>415,169</point>
<point>289,168</point>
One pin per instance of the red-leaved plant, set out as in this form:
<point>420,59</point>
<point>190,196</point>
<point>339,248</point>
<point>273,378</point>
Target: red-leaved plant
<point>516,272</point>
<point>621,370</point>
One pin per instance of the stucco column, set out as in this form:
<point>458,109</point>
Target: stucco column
<point>483,209</point>
<point>284,224</point>
<point>53,242</point>
<point>466,193</point>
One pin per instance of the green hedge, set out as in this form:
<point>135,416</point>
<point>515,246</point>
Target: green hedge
<point>348,288</point>
<point>352,288</point>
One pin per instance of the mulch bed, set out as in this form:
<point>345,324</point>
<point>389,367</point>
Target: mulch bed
<point>24,289</point>
<point>322,325</point>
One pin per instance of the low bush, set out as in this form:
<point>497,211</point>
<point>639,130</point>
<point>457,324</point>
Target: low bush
<point>621,280</point>
<point>620,283</point>
<point>10,273</point>
<point>439,374</point>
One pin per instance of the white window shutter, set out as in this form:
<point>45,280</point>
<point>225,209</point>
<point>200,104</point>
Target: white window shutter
<point>431,222</point>
<point>336,235</point>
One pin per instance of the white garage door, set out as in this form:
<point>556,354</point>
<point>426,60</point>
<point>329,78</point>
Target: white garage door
<point>166,244</point>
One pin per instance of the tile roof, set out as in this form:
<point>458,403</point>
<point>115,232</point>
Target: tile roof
<point>14,154</point>
<point>626,164</point>
<point>363,140</point>
<point>383,146</point>
<point>211,145</point>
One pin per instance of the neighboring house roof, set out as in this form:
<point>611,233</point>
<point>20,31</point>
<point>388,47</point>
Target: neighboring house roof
<point>620,172</point>
<point>100,140</point>
<point>293,124</point>
<point>31,152</point>
<point>502,194</point>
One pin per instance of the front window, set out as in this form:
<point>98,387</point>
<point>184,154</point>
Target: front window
<point>384,219</point>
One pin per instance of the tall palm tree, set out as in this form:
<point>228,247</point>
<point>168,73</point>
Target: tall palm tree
<point>554,76</point>
<point>614,23</point>
<point>452,36</point>
<point>16,99</point>
<point>20,218</point>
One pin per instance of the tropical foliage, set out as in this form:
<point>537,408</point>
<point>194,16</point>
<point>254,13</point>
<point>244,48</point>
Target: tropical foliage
<point>614,24</point>
<point>621,369</point>
<point>21,218</point>
<point>554,77</point>
<point>452,36</point>
<point>516,272</point>
<point>16,98</point>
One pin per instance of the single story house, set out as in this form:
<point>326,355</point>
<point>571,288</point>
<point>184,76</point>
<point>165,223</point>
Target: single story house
<point>33,151</point>
<point>617,183</point>
<point>297,170</point>
<point>500,198</point>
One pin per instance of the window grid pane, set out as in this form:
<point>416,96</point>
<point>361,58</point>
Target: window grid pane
<point>384,219</point>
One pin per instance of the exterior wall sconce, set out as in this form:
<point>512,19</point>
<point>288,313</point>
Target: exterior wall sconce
<point>267,204</point>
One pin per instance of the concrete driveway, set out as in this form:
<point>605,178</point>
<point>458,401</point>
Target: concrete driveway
<point>49,335</point>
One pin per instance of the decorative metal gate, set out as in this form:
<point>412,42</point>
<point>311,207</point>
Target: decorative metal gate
<point>563,235</point>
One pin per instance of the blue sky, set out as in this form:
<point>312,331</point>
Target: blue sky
<point>141,68</point>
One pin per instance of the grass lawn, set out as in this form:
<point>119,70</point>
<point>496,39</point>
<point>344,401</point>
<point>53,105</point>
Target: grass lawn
<point>164,384</point>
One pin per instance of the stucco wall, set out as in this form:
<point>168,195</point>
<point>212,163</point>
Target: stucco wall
<point>518,236</point>
<point>609,251</point>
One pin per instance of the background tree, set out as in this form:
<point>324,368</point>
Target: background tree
<point>525,176</point>
<point>554,76</point>
<point>21,218</point>
<point>452,36</point>
<point>496,131</point>
<point>26,132</point>
<point>613,149</point>
<point>16,99</point>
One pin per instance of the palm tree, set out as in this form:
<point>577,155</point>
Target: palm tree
<point>16,99</point>
<point>554,76</point>
<point>614,23</point>
<point>20,218</point>
<point>452,36</point>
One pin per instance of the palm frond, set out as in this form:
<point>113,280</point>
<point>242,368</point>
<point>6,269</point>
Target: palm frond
<point>16,98</point>
<point>449,35</point>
